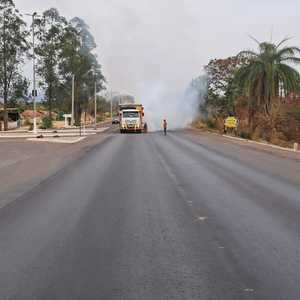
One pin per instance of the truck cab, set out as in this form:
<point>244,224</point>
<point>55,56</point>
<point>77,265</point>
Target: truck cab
<point>131,118</point>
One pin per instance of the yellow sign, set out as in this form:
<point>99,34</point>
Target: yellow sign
<point>231,122</point>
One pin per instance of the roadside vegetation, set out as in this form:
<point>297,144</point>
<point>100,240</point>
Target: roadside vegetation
<point>63,49</point>
<point>260,88</point>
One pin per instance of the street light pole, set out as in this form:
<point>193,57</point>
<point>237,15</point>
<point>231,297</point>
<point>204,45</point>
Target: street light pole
<point>34,92</point>
<point>34,79</point>
<point>73,99</point>
<point>111,104</point>
<point>95,104</point>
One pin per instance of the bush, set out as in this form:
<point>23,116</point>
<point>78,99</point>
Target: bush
<point>100,119</point>
<point>278,138</point>
<point>60,116</point>
<point>199,124</point>
<point>46,123</point>
<point>245,135</point>
<point>27,122</point>
<point>211,123</point>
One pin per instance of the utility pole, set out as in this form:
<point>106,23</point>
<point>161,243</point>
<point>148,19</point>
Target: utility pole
<point>34,80</point>
<point>84,131</point>
<point>95,104</point>
<point>34,91</point>
<point>73,100</point>
<point>111,104</point>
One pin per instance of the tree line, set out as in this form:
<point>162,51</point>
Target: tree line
<point>63,49</point>
<point>253,85</point>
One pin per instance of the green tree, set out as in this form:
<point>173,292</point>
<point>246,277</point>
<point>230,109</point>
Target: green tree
<point>50,34</point>
<point>85,66</point>
<point>13,46</point>
<point>76,64</point>
<point>220,99</point>
<point>19,91</point>
<point>88,43</point>
<point>70,62</point>
<point>66,49</point>
<point>268,76</point>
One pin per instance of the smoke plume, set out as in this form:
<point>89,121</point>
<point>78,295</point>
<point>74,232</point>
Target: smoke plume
<point>179,108</point>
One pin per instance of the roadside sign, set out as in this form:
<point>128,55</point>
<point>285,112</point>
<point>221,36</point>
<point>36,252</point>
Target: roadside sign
<point>231,122</point>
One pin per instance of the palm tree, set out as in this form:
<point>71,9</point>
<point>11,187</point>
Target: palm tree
<point>268,75</point>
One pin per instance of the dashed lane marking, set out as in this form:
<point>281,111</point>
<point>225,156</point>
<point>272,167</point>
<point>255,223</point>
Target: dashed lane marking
<point>201,219</point>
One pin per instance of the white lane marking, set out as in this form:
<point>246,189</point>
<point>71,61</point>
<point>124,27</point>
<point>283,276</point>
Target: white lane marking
<point>171,175</point>
<point>201,219</point>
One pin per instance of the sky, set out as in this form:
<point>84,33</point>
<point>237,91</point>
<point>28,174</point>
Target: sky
<point>154,48</point>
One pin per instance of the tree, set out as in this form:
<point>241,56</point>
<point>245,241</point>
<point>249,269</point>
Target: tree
<point>19,91</point>
<point>65,50</point>
<point>51,31</point>
<point>85,66</point>
<point>221,89</point>
<point>13,46</point>
<point>87,47</point>
<point>87,41</point>
<point>69,63</point>
<point>268,76</point>
<point>76,63</point>
<point>199,88</point>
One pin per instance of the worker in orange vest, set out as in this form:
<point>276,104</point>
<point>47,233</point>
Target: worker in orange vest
<point>165,126</point>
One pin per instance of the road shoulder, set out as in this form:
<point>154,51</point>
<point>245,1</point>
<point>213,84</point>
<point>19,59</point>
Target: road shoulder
<point>257,146</point>
<point>25,164</point>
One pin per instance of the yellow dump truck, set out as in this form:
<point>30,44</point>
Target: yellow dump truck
<point>131,118</point>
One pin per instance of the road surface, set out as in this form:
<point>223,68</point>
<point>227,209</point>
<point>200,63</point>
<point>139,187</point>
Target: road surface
<point>151,217</point>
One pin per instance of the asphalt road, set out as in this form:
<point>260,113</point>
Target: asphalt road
<point>151,217</point>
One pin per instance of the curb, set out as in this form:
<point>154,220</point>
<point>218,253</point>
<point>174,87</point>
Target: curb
<point>261,144</point>
<point>47,134</point>
<point>56,140</point>
<point>249,141</point>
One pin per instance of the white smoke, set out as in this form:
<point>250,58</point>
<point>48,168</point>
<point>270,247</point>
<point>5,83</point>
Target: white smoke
<point>162,103</point>
<point>178,107</point>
